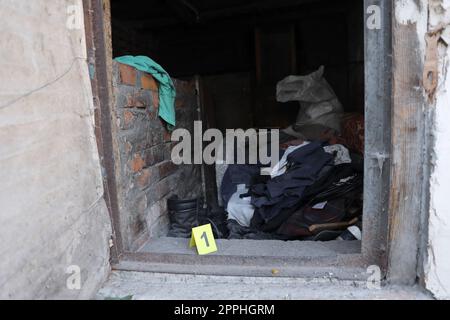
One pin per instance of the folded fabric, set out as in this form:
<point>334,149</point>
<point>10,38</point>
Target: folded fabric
<point>339,202</point>
<point>234,176</point>
<point>240,208</point>
<point>353,132</point>
<point>280,167</point>
<point>167,91</point>
<point>291,143</point>
<point>286,191</point>
<point>341,153</point>
<point>298,224</point>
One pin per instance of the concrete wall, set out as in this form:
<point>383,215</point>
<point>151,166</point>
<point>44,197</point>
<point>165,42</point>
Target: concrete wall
<point>146,176</point>
<point>52,212</point>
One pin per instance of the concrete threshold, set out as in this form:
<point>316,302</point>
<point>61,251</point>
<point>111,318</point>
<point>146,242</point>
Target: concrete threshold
<point>251,258</point>
<point>168,269</point>
<point>165,286</point>
<point>257,248</point>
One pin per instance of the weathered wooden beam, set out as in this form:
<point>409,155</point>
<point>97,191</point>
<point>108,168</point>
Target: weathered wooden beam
<point>98,41</point>
<point>408,146</point>
<point>377,134</point>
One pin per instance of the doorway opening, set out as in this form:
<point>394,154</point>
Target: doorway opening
<point>243,66</point>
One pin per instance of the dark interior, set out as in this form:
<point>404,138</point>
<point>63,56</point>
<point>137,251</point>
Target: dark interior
<point>243,48</point>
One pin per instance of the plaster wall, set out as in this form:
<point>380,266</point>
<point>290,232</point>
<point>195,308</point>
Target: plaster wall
<point>52,211</point>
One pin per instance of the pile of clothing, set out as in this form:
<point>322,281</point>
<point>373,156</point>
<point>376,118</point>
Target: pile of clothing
<point>313,193</point>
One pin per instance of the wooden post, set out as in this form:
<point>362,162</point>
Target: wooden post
<point>408,150</point>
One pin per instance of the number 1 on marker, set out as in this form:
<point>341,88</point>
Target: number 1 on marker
<point>203,239</point>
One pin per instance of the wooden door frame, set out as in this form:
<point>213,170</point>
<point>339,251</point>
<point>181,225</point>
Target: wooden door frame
<point>99,52</point>
<point>383,237</point>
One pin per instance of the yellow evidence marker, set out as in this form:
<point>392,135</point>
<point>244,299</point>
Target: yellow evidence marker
<point>203,239</point>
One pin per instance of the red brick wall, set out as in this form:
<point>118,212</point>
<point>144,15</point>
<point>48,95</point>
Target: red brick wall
<point>146,174</point>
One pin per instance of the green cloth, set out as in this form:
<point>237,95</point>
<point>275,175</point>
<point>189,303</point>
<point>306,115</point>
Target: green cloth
<point>167,91</point>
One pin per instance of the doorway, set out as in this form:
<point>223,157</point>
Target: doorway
<point>247,83</point>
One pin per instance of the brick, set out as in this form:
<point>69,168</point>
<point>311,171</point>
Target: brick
<point>128,147</point>
<point>162,189</point>
<point>167,136</point>
<point>148,82</point>
<point>166,169</point>
<point>138,209</point>
<point>137,163</point>
<point>145,178</point>
<point>156,210</point>
<point>155,97</point>
<point>128,74</point>
<point>158,191</point>
<point>157,138</point>
<point>128,118</point>
<point>154,155</point>
<point>160,227</point>
<point>168,150</point>
<point>134,100</point>
<point>141,145</point>
<point>152,113</point>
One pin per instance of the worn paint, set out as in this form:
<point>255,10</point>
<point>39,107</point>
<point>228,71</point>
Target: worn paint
<point>430,70</point>
<point>438,263</point>
<point>91,71</point>
<point>437,266</point>
<point>409,12</point>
